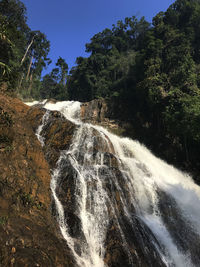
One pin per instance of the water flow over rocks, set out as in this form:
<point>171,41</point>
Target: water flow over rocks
<point>117,204</point>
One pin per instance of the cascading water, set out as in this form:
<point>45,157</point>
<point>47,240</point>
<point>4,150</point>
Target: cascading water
<point>118,185</point>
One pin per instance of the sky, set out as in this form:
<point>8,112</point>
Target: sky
<point>69,24</point>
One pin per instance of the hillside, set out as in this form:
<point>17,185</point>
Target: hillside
<point>29,235</point>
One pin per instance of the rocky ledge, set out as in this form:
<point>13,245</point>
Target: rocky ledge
<point>98,112</point>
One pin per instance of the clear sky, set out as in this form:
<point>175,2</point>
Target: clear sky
<point>69,24</point>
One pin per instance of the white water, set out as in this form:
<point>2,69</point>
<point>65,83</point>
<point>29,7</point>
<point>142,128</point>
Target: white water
<point>36,102</point>
<point>40,128</point>
<point>144,175</point>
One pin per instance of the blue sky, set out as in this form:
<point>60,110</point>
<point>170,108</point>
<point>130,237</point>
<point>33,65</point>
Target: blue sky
<point>69,24</point>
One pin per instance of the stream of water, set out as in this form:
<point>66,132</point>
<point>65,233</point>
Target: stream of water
<point>165,199</point>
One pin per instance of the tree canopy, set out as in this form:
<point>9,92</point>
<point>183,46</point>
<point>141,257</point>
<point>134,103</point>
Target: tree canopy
<point>151,72</point>
<point>23,52</point>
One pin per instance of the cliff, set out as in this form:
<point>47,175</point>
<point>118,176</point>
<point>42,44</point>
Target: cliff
<point>109,114</point>
<point>29,232</point>
<point>101,112</point>
<point>29,235</point>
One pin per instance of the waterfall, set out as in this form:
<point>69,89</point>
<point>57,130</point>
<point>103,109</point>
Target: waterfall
<point>120,188</point>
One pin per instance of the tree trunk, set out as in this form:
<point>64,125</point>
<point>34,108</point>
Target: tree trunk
<point>20,82</point>
<point>29,68</point>
<point>29,46</point>
<point>31,84</point>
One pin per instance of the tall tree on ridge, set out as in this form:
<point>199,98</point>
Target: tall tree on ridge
<point>63,67</point>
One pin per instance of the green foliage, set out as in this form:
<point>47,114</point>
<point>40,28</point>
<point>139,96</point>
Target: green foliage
<point>151,72</point>
<point>54,84</point>
<point>23,53</point>
<point>62,70</point>
<point>13,29</point>
<point>106,71</point>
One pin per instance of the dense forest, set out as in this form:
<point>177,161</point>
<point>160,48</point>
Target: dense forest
<point>150,72</point>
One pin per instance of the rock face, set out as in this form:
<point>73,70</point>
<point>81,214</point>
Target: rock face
<point>108,114</point>
<point>29,232</point>
<point>29,235</point>
<point>97,112</point>
<point>57,132</point>
<point>94,111</point>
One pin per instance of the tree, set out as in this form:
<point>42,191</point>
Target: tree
<point>54,84</point>
<point>23,53</point>
<point>63,68</point>
<point>13,30</point>
<point>5,47</point>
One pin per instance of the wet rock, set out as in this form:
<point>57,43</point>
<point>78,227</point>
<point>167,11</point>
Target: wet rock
<point>95,153</point>
<point>180,228</point>
<point>57,133</point>
<point>134,249</point>
<point>29,234</point>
